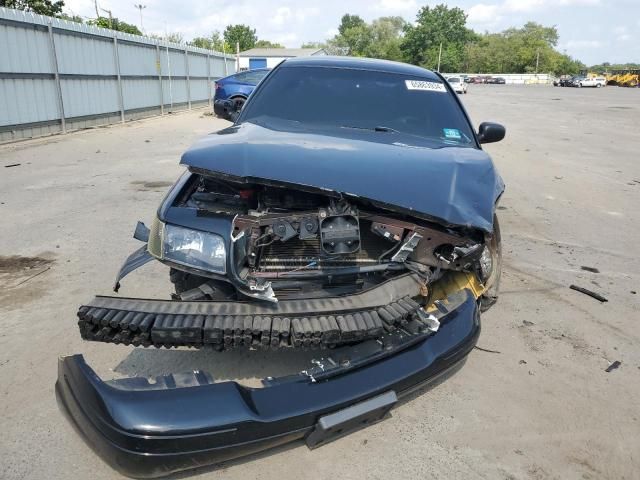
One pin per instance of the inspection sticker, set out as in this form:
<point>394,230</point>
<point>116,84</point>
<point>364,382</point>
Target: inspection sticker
<point>423,85</point>
<point>452,133</point>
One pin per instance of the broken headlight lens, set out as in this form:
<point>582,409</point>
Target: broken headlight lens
<point>486,264</point>
<point>194,248</point>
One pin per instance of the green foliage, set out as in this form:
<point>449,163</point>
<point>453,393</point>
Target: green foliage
<point>173,37</point>
<point>348,22</point>
<point>515,50</point>
<point>519,50</point>
<point>435,26</point>
<point>51,8</point>
<point>71,18</point>
<point>379,39</point>
<point>115,24</point>
<point>267,44</point>
<point>212,42</point>
<point>386,38</point>
<point>317,45</point>
<point>614,67</point>
<point>242,34</point>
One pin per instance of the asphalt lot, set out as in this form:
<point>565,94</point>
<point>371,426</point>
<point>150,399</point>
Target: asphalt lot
<point>541,408</point>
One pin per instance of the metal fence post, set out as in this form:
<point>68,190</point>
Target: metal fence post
<point>56,74</point>
<point>170,84</point>
<point>209,77</point>
<point>186,63</point>
<point>159,69</point>
<point>116,59</point>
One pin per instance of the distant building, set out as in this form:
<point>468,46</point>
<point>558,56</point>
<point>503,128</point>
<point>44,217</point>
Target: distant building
<point>270,57</point>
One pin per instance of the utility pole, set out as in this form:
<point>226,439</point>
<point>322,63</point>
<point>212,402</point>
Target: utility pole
<point>110,17</point>
<point>140,7</point>
<point>439,57</point>
<point>95,4</point>
<point>537,60</point>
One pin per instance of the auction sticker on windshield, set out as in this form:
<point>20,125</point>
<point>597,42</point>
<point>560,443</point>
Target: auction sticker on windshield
<point>424,85</point>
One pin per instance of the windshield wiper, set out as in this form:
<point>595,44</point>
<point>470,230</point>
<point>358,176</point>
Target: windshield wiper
<point>379,128</point>
<point>443,143</point>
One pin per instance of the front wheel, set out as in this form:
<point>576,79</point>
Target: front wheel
<point>492,283</point>
<point>598,85</point>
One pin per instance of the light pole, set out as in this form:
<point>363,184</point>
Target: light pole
<point>140,7</point>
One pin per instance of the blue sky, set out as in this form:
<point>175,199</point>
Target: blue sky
<point>590,30</point>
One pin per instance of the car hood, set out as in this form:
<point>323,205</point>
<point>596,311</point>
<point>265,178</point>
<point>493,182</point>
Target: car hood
<point>452,185</point>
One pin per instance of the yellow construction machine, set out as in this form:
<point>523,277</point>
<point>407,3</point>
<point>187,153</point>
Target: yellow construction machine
<point>624,78</point>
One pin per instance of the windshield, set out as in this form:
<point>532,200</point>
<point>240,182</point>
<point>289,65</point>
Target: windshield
<point>454,80</point>
<point>384,103</point>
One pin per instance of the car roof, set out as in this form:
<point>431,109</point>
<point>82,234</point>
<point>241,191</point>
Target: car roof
<point>252,70</point>
<point>359,63</point>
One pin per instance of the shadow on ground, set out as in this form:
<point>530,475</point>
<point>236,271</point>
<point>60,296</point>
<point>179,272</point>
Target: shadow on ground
<point>245,366</point>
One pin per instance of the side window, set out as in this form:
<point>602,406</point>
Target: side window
<point>242,77</point>
<point>255,77</point>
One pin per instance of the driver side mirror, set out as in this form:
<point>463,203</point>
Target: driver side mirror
<point>489,132</point>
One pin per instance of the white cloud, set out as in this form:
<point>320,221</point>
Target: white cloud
<point>523,5</point>
<point>482,13</point>
<point>397,5</point>
<point>332,32</point>
<point>583,44</point>
<point>281,16</point>
<point>538,5</point>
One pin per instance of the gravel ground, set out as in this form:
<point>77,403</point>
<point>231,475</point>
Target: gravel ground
<point>543,407</point>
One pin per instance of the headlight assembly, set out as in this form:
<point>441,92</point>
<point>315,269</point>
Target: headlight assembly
<point>188,247</point>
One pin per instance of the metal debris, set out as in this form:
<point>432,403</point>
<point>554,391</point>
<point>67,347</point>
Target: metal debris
<point>613,366</point>
<point>486,350</point>
<point>595,295</point>
<point>589,269</point>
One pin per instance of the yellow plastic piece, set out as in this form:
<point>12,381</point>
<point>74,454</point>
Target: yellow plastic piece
<point>453,282</point>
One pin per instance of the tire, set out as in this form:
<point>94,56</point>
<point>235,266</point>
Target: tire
<point>490,296</point>
<point>238,102</point>
<point>580,85</point>
<point>598,85</point>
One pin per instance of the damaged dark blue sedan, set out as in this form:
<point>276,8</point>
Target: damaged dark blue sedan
<point>350,209</point>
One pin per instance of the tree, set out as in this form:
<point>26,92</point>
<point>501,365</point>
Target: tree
<point>317,45</point>
<point>386,38</point>
<point>114,23</point>
<point>519,50</point>
<point>348,22</point>
<point>212,42</point>
<point>242,34</point>
<point>71,17</point>
<point>267,44</point>
<point>435,26</point>
<point>174,37</point>
<point>52,8</point>
<point>353,38</point>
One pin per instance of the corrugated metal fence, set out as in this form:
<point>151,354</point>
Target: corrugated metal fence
<point>57,75</point>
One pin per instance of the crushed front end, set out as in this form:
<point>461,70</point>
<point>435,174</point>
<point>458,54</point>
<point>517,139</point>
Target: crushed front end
<point>390,301</point>
<point>262,266</point>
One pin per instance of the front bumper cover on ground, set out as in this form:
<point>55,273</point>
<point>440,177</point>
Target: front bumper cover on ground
<point>182,422</point>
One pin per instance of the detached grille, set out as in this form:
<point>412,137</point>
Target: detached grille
<point>296,253</point>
